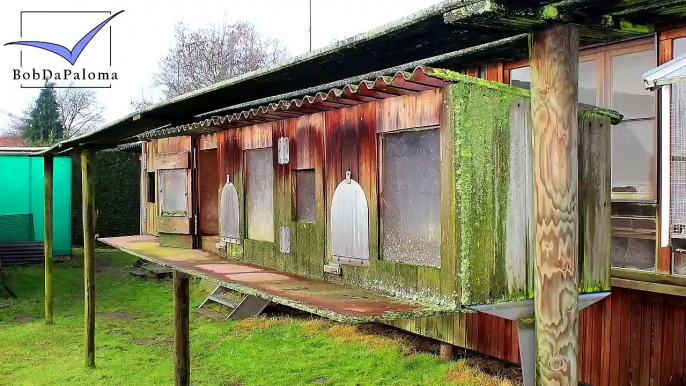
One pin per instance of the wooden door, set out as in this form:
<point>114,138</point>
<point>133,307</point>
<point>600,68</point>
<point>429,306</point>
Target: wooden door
<point>173,163</point>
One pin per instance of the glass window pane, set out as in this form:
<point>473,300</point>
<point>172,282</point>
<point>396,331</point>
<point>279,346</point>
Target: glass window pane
<point>634,159</point>
<point>173,192</point>
<point>629,95</point>
<point>679,47</point>
<point>588,82</point>
<point>520,77</point>
<point>633,253</point>
<point>305,196</point>
<point>679,263</point>
<point>411,197</point>
<point>260,195</point>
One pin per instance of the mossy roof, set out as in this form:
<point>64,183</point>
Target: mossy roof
<point>454,34</point>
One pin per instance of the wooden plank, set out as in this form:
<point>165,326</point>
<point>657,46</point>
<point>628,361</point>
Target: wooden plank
<point>88,207</point>
<point>665,289</point>
<point>409,111</point>
<point>625,338</point>
<point>615,340</point>
<point>646,325</point>
<point>208,141</point>
<point>449,286</point>
<point>636,329</point>
<point>554,57</point>
<point>656,333</point>
<point>679,337</point>
<point>209,189</point>
<point>667,341</point>
<point>594,203</point>
<point>182,356</point>
<point>176,241</point>
<point>172,160</point>
<point>178,225</point>
<point>47,234</point>
<point>257,136</point>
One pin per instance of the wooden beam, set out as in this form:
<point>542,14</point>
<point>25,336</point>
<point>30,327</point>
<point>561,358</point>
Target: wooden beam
<point>47,234</point>
<point>554,56</point>
<point>88,206</point>
<point>447,351</point>
<point>182,362</point>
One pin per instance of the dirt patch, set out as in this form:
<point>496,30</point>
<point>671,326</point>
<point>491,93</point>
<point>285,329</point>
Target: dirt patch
<point>321,380</point>
<point>211,314</point>
<point>115,315</point>
<point>467,372</point>
<point>117,332</point>
<point>260,323</point>
<point>150,342</point>
<point>23,317</point>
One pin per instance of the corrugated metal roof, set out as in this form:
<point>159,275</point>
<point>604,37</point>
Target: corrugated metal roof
<point>402,83</point>
<point>448,27</point>
<point>668,73</point>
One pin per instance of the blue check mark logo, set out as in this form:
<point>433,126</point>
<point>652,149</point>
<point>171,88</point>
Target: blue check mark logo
<point>69,55</point>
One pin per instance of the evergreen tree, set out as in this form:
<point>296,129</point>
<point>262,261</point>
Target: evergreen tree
<point>43,126</point>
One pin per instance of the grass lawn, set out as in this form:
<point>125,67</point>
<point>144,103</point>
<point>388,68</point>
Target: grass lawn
<point>134,340</point>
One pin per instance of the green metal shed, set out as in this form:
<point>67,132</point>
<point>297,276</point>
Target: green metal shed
<point>21,192</point>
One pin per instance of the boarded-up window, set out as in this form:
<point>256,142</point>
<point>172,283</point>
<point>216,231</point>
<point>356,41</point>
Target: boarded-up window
<point>349,223</point>
<point>260,195</point>
<point>174,192</point>
<point>633,253</point>
<point>229,215</point>
<point>305,196</point>
<point>411,197</point>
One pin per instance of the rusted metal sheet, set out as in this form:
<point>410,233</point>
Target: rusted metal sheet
<point>349,222</point>
<point>329,300</point>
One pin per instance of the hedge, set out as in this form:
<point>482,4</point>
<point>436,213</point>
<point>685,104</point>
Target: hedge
<point>117,195</point>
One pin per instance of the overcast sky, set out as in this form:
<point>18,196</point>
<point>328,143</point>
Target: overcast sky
<point>143,33</point>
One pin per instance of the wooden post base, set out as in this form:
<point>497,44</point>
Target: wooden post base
<point>182,361</point>
<point>447,351</point>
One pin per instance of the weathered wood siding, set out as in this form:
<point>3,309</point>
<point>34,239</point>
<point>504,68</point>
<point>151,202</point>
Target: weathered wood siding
<point>594,202</point>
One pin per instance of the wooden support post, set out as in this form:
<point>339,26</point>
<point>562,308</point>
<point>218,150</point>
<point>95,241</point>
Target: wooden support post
<point>47,234</point>
<point>554,58</point>
<point>88,206</point>
<point>182,362</point>
<point>447,351</point>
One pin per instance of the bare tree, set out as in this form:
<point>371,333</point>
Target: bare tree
<point>79,110</point>
<point>206,56</point>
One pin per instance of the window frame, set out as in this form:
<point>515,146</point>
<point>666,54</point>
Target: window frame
<point>246,184</point>
<point>380,196</point>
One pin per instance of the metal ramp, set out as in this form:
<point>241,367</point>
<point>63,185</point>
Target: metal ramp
<point>249,306</point>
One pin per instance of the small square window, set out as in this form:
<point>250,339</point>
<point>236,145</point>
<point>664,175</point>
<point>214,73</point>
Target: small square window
<point>152,192</point>
<point>174,192</point>
<point>633,253</point>
<point>305,196</point>
<point>411,197</point>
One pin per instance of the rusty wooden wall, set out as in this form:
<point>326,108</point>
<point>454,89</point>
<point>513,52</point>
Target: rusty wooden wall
<point>630,338</point>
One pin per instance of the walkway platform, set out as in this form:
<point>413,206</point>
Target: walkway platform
<point>333,301</point>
